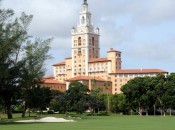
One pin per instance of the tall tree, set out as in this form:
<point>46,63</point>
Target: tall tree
<point>94,102</point>
<point>78,96</point>
<point>135,91</point>
<point>21,60</point>
<point>38,98</point>
<point>13,35</point>
<point>168,99</point>
<point>107,85</point>
<point>160,89</point>
<point>33,70</point>
<point>60,103</point>
<point>118,103</point>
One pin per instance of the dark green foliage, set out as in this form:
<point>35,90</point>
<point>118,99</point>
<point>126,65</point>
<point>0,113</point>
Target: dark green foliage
<point>94,101</point>
<point>38,98</point>
<point>21,60</point>
<point>12,36</point>
<point>150,93</point>
<point>118,103</point>
<point>59,102</point>
<point>78,97</point>
<point>33,70</point>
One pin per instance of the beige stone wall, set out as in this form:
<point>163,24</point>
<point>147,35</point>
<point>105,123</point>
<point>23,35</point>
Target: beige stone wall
<point>98,84</point>
<point>60,73</point>
<point>115,58</point>
<point>68,68</point>
<point>98,69</point>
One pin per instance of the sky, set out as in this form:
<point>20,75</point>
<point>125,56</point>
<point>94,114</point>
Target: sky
<point>143,30</point>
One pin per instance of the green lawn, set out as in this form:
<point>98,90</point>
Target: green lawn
<point>113,122</point>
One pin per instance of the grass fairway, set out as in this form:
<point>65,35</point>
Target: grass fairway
<point>113,122</point>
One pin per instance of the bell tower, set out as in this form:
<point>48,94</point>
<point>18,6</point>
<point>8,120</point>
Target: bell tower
<point>85,42</point>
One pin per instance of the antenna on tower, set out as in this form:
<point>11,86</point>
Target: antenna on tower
<point>85,2</point>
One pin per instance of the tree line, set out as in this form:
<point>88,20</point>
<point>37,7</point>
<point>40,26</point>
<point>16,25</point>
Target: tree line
<point>151,93</point>
<point>141,95</point>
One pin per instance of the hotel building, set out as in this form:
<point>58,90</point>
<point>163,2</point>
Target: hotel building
<point>85,65</point>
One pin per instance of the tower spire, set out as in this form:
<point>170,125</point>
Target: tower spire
<point>85,2</point>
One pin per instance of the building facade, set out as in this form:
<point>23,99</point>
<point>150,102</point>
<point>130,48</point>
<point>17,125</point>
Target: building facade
<point>85,63</point>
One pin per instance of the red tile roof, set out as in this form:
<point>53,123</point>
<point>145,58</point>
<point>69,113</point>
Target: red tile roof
<point>60,63</point>
<point>136,71</point>
<point>112,50</point>
<point>51,81</point>
<point>68,58</point>
<point>98,60</point>
<point>49,77</point>
<point>78,78</point>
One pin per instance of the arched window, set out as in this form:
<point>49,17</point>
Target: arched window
<point>93,41</point>
<point>79,41</point>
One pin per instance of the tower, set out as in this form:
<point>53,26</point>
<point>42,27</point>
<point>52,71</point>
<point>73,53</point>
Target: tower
<point>85,43</point>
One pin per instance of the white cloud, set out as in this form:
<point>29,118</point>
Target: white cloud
<point>160,52</point>
<point>121,24</point>
<point>157,11</point>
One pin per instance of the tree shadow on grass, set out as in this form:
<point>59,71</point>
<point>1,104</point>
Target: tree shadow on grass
<point>25,123</point>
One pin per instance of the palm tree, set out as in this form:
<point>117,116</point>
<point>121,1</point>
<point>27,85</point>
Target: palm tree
<point>107,85</point>
<point>93,82</point>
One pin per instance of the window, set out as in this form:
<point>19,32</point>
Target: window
<point>79,51</point>
<point>93,41</point>
<point>125,75</point>
<point>118,55</point>
<point>79,41</point>
<point>120,75</point>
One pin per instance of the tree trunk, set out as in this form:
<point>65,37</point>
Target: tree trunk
<point>161,112</point>
<point>24,110</point>
<point>23,113</point>
<point>140,111</point>
<point>9,112</point>
<point>92,111</point>
<point>170,112</point>
<point>131,112</point>
<point>146,112</point>
<point>154,109</point>
<point>66,113</point>
<point>29,112</point>
<point>164,112</point>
